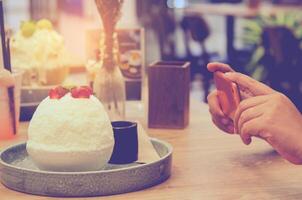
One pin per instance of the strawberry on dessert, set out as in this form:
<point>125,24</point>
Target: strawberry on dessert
<point>81,92</point>
<point>70,131</point>
<point>57,93</point>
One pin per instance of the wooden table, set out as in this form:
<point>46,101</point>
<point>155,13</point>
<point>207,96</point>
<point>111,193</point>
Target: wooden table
<point>207,164</point>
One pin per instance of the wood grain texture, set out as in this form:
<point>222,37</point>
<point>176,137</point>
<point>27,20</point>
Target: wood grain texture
<point>169,91</point>
<point>207,164</point>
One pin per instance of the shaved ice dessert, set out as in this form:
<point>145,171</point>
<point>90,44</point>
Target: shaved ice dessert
<point>70,131</point>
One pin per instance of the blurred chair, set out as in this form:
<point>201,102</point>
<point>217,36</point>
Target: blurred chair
<point>155,14</point>
<point>195,28</point>
<point>283,61</point>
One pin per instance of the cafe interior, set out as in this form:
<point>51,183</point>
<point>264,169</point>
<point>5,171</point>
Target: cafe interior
<point>150,99</point>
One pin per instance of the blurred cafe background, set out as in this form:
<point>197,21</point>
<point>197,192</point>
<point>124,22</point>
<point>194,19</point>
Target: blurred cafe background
<point>258,38</point>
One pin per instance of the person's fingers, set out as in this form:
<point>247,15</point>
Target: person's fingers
<point>247,85</point>
<point>256,128</point>
<point>249,114</point>
<point>246,104</point>
<point>230,128</point>
<point>249,129</point>
<point>214,106</point>
<point>227,123</point>
<point>227,127</point>
<point>219,119</point>
<point>216,66</point>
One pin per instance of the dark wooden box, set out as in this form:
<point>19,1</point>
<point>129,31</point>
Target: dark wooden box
<point>169,93</point>
<point>133,89</point>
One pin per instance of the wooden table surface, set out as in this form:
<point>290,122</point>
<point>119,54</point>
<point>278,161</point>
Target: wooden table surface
<point>207,164</point>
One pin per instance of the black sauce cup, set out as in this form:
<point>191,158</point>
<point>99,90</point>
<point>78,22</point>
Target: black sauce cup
<point>126,143</point>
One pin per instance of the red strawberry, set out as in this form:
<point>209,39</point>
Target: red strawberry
<point>57,92</point>
<point>81,92</point>
<point>88,88</point>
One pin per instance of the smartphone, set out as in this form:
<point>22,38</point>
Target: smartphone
<point>228,94</point>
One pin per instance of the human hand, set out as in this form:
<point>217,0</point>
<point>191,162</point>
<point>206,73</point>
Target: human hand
<point>263,112</point>
<point>248,87</point>
<point>269,115</point>
<point>216,66</point>
<point>222,121</point>
<point>6,78</point>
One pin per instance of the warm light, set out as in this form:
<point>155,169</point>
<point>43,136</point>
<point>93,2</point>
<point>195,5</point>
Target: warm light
<point>177,3</point>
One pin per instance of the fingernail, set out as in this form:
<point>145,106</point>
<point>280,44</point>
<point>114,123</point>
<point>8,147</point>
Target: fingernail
<point>247,141</point>
<point>230,128</point>
<point>227,74</point>
<point>224,121</point>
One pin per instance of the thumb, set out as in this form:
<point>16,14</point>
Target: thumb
<point>248,85</point>
<point>216,66</point>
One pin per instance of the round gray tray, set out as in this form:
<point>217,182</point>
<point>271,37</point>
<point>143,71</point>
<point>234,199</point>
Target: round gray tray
<point>18,172</point>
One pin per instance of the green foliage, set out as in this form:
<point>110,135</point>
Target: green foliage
<point>253,29</point>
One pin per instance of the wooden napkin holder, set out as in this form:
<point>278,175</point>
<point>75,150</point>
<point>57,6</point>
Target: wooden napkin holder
<point>169,94</point>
